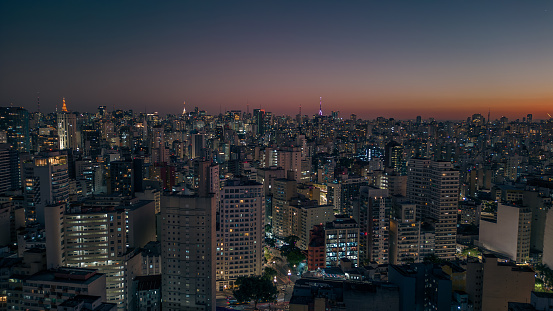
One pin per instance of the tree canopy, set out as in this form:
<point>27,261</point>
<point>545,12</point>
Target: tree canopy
<point>292,253</point>
<point>256,288</point>
<point>269,273</point>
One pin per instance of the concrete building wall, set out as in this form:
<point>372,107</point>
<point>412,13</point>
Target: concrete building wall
<point>310,217</point>
<point>501,236</point>
<point>510,235</point>
<point>142,224</point>
<point>54,232</point>
<point>188,252</point>
<point>503,284</point>
<point>548,240</point>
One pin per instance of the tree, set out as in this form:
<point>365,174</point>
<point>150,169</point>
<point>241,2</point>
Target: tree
<point>291,240</point>
<point>270,242</point>
<point>292,253</point>
<point>545,274</point>
<point>256,288</point>
<point>295,257</point>
<point>269,273</point>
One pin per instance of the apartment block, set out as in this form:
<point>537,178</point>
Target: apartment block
<point>188,252</point>
<point>241,231</point>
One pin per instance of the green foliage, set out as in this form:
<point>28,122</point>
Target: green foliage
<point>295,257</point>
<point>291,240</point>
<point>270,242</point>
<point>256,288</point>
<point>292,253</point>
<point>267,254</point>
<point>545,274</point>
<point>269,273</point>
<point>473,252</point>
<point>490,207</point>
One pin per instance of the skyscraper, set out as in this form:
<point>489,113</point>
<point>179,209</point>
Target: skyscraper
<point>122,178</point>
<point>239,246</point>
<point>15,122</point>
<point>45,181</point>
<point>101,233</point>
<point>434,188</point>
<point>373,216</point>
<point>393,156</point>
<point>198,146</point>
<point>259,121</point>
<point>188,252</point>
<point>67,129</point>
<point>10,176</point>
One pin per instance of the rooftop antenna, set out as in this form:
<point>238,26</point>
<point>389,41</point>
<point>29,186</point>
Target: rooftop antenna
<point>488,115</point>
<point>300,109</point>
<point>320,106</point>
<point>184,108</point>
<point>38,101</point>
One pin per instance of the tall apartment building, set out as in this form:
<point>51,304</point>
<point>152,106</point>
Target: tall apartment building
<point>206,179</point>
<point>509,234</point>
<point>14,121</point>
<point>157,145</point>
<point>45,181</point>
<point>303,215</point>
<point>405,234</point>
<point>548,240</point>
<point>10,174</point>
<point>241,229</point>
<point>434,188</point>
<point>122,178</point>
<point>343,193</point>
<point>290,160</point>
<point>101,234</point>
<point>342,241</point>
<point>372,212</point>
<point>188,252</point>
<point>283,191</point>
<point>393,156</point>
<point>266,177</point>
<point>198,146</point>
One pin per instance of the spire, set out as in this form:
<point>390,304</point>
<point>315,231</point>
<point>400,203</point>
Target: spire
<point>64,107</point>
<point>184,108</point>
<point>320,106</point>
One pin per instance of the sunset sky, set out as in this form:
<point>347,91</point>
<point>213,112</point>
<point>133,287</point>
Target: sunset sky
<point>441,59</point>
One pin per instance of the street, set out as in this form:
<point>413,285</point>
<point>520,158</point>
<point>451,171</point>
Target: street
<point>285,280</point>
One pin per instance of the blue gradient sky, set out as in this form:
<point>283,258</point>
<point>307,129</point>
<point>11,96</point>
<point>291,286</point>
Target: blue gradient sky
<point>443,59</point>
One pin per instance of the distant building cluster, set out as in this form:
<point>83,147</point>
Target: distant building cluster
<point>120,210</point>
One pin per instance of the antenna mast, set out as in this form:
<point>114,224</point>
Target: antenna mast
<point>320,106</point>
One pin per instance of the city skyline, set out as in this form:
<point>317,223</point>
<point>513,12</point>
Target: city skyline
<point>396,60</point>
